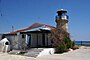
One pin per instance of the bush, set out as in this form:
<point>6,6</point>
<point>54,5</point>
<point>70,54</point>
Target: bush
<point>72,44</point>
<point>61,48</point>
<point>65,45</point>
<point>67,41</point>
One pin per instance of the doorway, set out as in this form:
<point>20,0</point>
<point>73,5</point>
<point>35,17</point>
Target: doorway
<point>29,41</point>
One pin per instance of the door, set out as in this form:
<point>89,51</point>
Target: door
<point>29,40</point>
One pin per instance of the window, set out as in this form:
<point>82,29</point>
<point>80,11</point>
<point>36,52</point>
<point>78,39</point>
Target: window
<point>23,36</point>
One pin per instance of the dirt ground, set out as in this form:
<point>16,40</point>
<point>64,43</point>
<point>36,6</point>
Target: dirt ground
<point>80,54</point>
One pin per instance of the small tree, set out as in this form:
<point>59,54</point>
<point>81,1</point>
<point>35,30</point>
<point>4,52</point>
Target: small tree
<point>23,45</point>
<point>61,40</point>
<point>58,36</point>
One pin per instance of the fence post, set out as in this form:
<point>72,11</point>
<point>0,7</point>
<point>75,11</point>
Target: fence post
<point>81,43</point>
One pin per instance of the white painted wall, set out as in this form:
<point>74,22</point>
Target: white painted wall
<point>15,41</point>
<point>3,46</point>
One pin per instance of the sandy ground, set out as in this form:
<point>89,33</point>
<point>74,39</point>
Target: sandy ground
<point>80,54</point>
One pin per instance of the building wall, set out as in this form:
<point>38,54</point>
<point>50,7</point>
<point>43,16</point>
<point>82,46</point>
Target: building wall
<point>13,41</point>
<point>40,44</point>
<point>33,40</point>
<point>40,39</point>
<point>49,40</point>
<point>16,41</point>
<point>0,36</point>
<point>65,27</point>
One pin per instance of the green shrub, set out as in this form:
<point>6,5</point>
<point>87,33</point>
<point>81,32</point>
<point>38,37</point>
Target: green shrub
<point>61,48</point>
<point>67,41</point>
<point>72,44</point>
<point>65,45</point>
<point>68,45</point>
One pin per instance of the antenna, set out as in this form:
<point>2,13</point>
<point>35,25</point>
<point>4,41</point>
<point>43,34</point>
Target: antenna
<point>12,28</point>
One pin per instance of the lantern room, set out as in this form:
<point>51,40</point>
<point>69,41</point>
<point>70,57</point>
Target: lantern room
<point>62,15</point>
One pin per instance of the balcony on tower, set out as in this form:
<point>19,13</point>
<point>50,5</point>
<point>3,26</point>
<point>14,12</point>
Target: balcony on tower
<point>62,15</point>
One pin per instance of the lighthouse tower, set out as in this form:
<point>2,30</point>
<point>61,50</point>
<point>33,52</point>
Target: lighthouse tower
<point>62,20</point>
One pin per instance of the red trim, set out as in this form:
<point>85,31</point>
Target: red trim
<point>35,25</point>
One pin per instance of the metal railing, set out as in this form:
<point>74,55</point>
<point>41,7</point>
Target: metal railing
<point>83,43</point>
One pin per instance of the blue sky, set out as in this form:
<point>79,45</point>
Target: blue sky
<point>23,13</point>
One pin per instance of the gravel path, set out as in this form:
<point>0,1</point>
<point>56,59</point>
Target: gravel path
<point>80,54</point>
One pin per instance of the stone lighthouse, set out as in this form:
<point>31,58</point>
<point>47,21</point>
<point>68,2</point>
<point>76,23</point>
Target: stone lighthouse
<point>62,20</point>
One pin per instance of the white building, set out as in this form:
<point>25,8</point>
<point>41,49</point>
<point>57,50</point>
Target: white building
<point>37,35</point>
